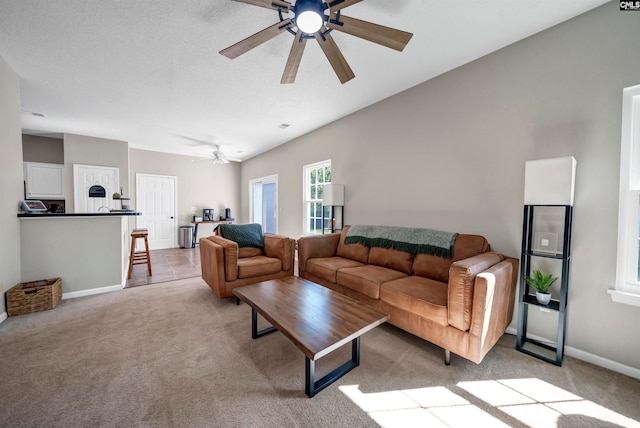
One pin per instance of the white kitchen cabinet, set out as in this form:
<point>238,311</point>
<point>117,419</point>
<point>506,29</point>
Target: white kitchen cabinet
<point>44,180</point>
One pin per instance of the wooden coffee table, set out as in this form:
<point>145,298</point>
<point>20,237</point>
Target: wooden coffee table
<point>316,319</point>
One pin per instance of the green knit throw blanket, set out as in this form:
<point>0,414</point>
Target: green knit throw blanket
<point>410,239</point>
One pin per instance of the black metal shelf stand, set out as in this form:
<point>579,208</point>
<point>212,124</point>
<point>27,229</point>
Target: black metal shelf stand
<point>526,299</point>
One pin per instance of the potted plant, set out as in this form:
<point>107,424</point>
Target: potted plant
<point>541,282</point>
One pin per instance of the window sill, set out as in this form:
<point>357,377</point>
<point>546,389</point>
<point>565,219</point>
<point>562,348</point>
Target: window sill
<point>625,297</point>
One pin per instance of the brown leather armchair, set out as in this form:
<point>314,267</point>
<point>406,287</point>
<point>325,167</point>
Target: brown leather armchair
<point>226,266</point>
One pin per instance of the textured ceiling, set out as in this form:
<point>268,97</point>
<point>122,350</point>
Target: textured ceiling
<point>149,72</point>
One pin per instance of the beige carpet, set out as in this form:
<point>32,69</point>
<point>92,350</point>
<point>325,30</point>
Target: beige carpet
<point>173,354</point>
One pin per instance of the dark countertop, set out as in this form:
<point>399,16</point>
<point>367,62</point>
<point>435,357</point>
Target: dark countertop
<point>55,215</point>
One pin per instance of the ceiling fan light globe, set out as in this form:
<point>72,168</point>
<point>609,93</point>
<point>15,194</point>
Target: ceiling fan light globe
<point>309,21</point>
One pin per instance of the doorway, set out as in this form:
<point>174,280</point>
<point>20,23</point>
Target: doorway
<point>156,200</point>
<point>264,206</point>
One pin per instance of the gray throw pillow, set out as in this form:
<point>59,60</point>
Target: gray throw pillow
<point>246,235</point>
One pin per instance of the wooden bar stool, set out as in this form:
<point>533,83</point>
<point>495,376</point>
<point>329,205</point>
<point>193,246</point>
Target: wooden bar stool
<point>139,257</point>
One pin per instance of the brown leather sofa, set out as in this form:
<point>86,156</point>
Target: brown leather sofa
<point>226,266</point>
<point>463,303</point>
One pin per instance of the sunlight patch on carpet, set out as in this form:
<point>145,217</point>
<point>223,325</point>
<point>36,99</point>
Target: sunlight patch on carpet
<point>495,403</point>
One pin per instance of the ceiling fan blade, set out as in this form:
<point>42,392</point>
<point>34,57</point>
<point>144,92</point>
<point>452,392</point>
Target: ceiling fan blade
<point>269,4</point>
<point>257,39</point>
<point>385,36</point>
<point>196,142</point>
<point>333,54</point>
<point>295,55</point>
<point>341,4</point>
<point>227,160</point>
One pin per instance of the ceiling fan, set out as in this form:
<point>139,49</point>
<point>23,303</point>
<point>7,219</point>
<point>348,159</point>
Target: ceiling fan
<point>315,19</point>
<point>217,156</point>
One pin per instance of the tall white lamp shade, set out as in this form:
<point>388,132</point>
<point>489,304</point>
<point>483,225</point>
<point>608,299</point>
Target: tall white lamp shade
<point>550,181</point>
<point>333,195</point>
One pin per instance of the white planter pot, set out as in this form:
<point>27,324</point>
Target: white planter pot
<point>543,298</point>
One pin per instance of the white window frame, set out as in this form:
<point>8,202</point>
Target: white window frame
<point>627,287</point>
<point>267,179</point>
<point>306,197</point>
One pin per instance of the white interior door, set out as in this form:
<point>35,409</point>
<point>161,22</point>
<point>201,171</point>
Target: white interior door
<point>156,200</point>
<point>85,176</point>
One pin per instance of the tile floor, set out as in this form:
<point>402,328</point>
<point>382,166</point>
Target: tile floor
<point>167,265</point>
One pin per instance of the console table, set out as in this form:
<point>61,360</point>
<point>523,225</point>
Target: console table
<point>194,236</point>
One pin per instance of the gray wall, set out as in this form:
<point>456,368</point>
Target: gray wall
<point>42,149</point>
<point>11,190</point>
<point>87,253</point>
<point>200,183</point>
<point>83,150</point>
<point>449,154</point>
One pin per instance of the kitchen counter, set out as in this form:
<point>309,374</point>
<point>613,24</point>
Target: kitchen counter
<point>53,215</point>
<point>88,251</point>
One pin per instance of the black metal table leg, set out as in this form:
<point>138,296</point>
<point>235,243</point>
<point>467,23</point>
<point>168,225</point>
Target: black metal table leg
<point>312,387</point>
<point>254,326</point>
<point>194,236</point>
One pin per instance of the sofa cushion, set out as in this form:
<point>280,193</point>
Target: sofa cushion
<point>461,283</point>
<point>357,252</point>
<point>367,279</point>
<point>437,268</point>
<point>327,267</point>
<point>249,267</point>
<point>249,252</point>
<point>421,296</point>
<point>390,258</point>
<point>246,235</point>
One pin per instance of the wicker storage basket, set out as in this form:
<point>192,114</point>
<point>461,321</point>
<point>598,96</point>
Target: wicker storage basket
<point>34,296</point>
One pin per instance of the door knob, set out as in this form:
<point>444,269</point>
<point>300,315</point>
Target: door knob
<point>171,217</point>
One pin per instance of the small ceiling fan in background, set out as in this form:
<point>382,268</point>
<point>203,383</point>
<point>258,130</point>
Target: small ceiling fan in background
<point>217,156</point>
<point>315,19</point>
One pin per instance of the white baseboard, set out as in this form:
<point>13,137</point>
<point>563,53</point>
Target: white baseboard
<point>3,316</point>
<point>92,291</point>
<point>588,357</point>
